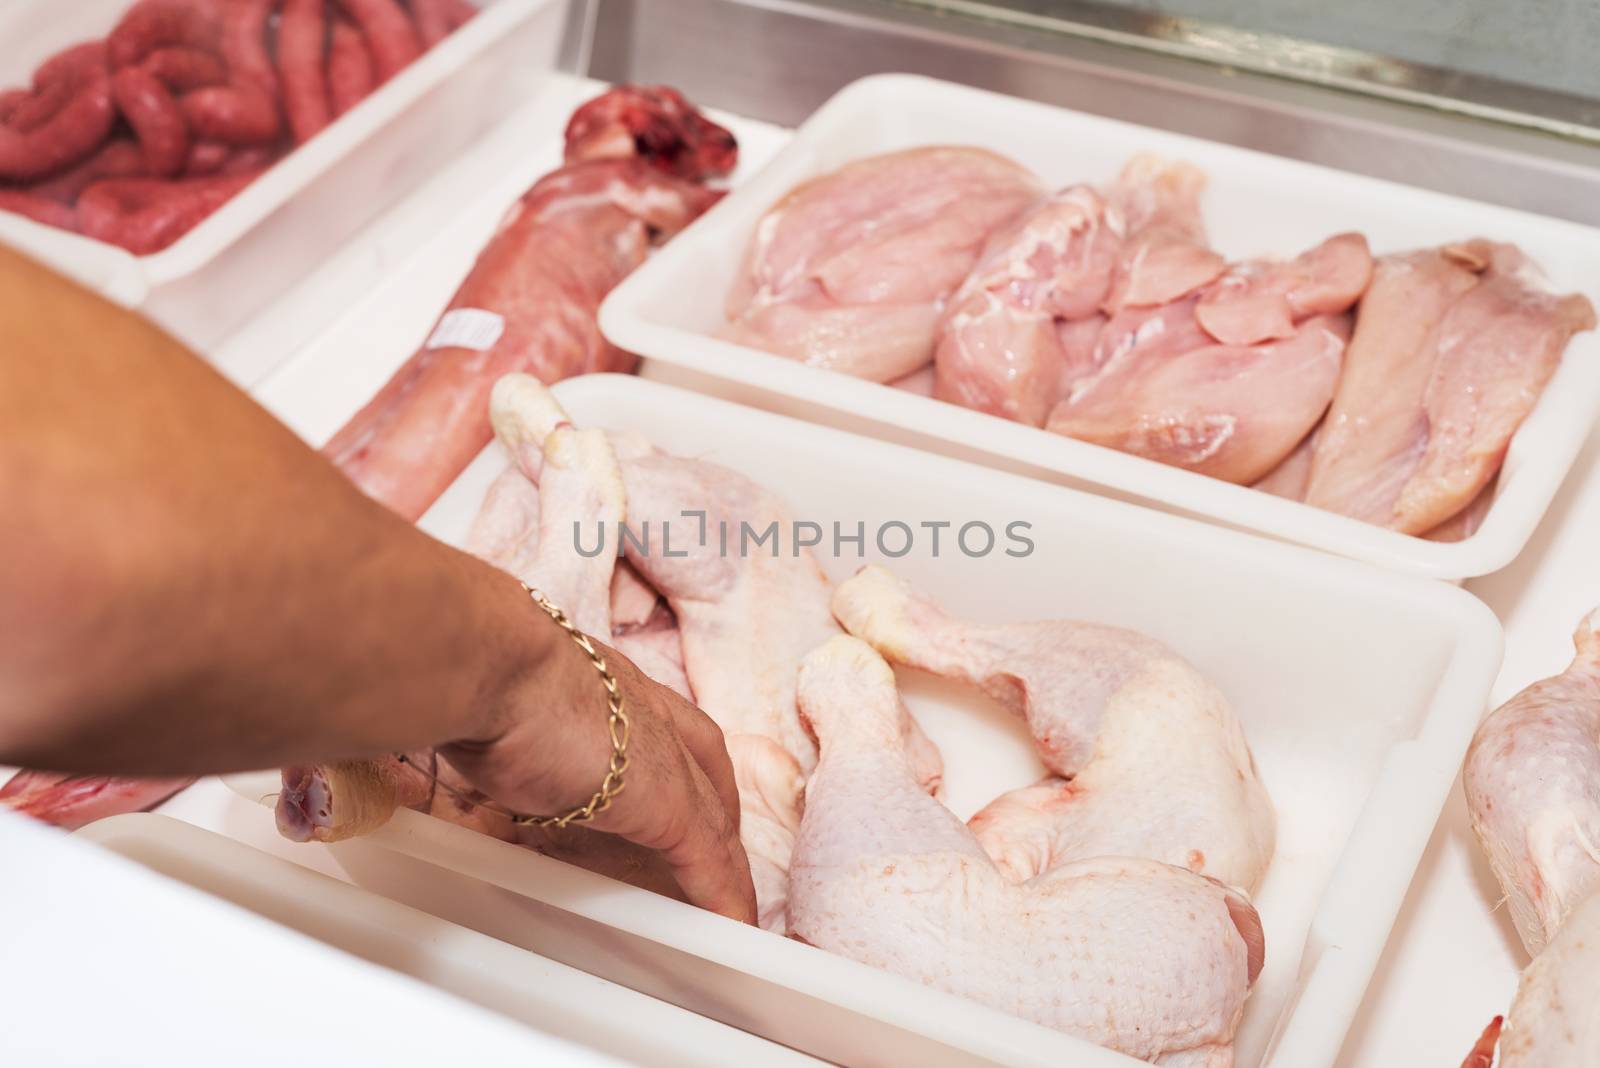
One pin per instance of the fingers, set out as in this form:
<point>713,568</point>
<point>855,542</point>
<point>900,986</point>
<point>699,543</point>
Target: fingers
<point>706,857</point>
<point>705,742</point>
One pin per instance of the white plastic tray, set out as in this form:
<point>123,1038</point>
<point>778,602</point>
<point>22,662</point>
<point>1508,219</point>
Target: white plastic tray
<point>511,982</point>
<point>304,208</point>
<point>1256,204</point>
<point>1357,688</point>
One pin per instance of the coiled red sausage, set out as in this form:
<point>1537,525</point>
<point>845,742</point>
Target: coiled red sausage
<point>244,42</point>
<point>145,215</point>
<point>66,117</point>
<point>152,24</point>
<point>185,69</point>
<point>390,35</point>
<point>302,46</point>
<point>157,121</point>
<point>433,20</point>
<point>117,158</point>
<point>206,157</point>
<point>38,208</point>
<point>240,113</point>
<point>350,76</point>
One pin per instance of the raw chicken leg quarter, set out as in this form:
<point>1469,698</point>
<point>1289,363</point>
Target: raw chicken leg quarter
<point>1148,757</point>
<point>1136,955</point>
<point>1532,781</point>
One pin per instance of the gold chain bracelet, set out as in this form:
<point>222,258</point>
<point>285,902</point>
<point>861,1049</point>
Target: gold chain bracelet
<point>617,726</point>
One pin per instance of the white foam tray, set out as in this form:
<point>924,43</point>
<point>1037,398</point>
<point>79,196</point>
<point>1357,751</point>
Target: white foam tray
<point>310,202</point>
<point>552,998</point>
<point>1357,688</point>
<point>1256,204</point>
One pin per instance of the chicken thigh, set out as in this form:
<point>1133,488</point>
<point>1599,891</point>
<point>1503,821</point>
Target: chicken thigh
<point>1532,781</point>
<point>851,270</point>
<point>747,613</point>
<point>1136,955</point>
<point>1147,757</point>
<point>1552,1022</point>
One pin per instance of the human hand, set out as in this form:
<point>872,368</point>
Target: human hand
<point>548,748</point>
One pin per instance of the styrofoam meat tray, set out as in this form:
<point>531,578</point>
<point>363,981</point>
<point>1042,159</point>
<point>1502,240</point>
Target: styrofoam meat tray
<point>550,997</point>
<point>1358,690</point>
<point>672,308</point>
<point>316,196</point>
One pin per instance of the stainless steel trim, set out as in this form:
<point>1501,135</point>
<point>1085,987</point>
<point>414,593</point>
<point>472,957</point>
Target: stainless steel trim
<point>779,59</point>
<point>1460,92</point>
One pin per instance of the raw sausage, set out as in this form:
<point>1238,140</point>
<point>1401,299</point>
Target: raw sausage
<point>433,20</point>
<point>184,69</point>
<point>302,34</point>
<point>206,157</point>
<point>153,24</point>
<point>156,119</point>
<point>390,35</point>
<point>38,208</point>
<point>240,113</point>
<point>350,75</point>
<point>244,42</point>
<point>66,117</point>
<point>117,158</point>
<point>145,215</point>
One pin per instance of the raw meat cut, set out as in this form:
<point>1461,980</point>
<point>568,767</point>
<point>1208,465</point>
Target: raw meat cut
<point>851,271</point>
<point>1136,955</point>
<point>71,801</point>
<point>652,122</point>
<point>1165,255</point>
<point>1532,781</point>
<point>746,616</point>
<point>1147,757</point>
<point>1290,478</point>
<point>1496,347</point>
<point>1262,300</point>
<point>999,349</point>
<point>529,304</point>
<point>1451,351</point>
<point>1229,411</point>
<point>1552,1023</point>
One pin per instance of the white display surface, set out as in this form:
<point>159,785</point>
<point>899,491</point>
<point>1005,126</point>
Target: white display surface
<point>1451,963</point>
<point>106,962</point>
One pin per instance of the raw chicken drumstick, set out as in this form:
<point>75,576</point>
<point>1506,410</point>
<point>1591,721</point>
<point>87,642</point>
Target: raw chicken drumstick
<point>1136,955</point>
<point>1147,757</point>
<point>745,618</point>
<point>1552,1022</point>
<point>1532,782</point>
